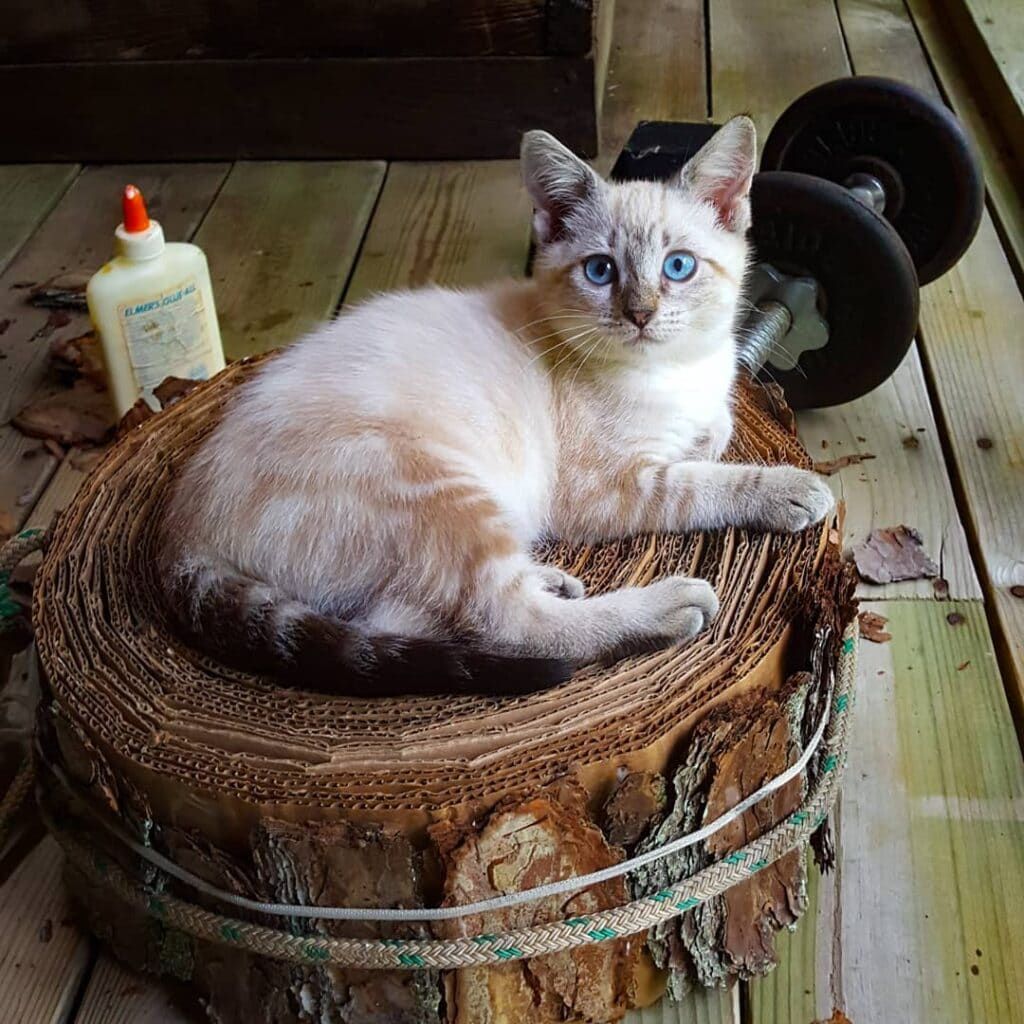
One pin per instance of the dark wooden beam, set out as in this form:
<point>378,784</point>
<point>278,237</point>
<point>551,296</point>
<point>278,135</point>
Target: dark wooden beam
<point>410,108</point>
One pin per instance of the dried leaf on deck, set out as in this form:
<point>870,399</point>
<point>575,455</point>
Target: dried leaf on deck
<point>173,389</point>
<point>79,357</point>
<point>872,627</point>
<point>169,391</point>
<point>892,554</point>
<point>79,415</point>
<point>524,845</point>
<point>833,466</point>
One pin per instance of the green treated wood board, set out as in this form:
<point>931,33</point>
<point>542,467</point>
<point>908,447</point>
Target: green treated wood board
<point>992,34</point>
<point>281,239</point>
<point>760,63</point>
<point>444,223</point>
<point>918,923</point>
<point>43,956</point>
<point>28,193</point>
<point>116,995</point>
<point>970,335</point>
<point>1003,168</point>
<point>657,70</point>
<point>76,238</point>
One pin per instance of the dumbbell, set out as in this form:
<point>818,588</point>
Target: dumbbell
<point>867,189</point>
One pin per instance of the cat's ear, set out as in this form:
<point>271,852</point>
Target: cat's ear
<point>722,171</point>
<point>558,182</point>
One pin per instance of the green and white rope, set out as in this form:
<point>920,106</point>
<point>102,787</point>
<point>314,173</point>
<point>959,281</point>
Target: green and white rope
<point>538,940</point>
<point>14,550</point>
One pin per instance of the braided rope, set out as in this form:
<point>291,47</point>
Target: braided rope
<point>17,791</point>
<point>538,940</point>
<point>13,551</point>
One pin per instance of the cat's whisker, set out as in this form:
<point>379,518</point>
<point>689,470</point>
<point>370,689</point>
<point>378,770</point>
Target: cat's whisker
<point>546,351</point>
<point>572,349</point>
<point>564,314</point>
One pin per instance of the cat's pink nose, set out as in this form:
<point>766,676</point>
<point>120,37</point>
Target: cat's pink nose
<point>640,317</point>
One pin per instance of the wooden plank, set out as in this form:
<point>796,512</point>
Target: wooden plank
<point>906,481</point>
<point>656,71</point>
<point>43,957</point>
<point>703,1006</point>
<point>992,34</point>
<point>419,108</point>
<point>759,46</point>
<point>970,332</point>
<point>28,193</point>
<point>883,40</point>
<point>764,56</point>
<point>170,29</point>
<point>76,238</point>
<point>116,995</point>
<point>917,922</point>
<point>281,239</point>
<point>452,223</point>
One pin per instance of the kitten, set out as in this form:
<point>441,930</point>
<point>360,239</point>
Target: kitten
<point>361,519</point>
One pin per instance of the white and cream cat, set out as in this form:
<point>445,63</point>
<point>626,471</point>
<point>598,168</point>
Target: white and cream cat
<point>361,520</point>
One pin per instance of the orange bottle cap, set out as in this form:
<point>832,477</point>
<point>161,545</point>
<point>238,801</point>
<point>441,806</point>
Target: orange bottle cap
<point>134,206</point>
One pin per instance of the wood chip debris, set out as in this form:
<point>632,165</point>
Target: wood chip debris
<point>832,466</point>
<point>167,392</point>
<point>76,357</point>
<point>77,415</point>
<point>872,627</point>
<point>63,292</point>
<point>838,1017</point>
<point>892,554</point>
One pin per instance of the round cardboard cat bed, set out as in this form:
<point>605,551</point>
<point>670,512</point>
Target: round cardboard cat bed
<point>281,797</point>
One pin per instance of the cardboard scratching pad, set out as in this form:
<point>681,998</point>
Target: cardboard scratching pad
<point>297,798</point>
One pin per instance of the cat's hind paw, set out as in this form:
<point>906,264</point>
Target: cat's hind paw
<point>561,583</point>
<point>679,607</point>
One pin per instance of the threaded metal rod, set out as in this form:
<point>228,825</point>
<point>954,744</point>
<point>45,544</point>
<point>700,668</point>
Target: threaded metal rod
<point>868,189</point>
<point>767,326</point>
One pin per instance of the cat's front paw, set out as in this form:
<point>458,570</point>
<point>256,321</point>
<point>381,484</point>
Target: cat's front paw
<point>792,499</point>
<point>679,607</point>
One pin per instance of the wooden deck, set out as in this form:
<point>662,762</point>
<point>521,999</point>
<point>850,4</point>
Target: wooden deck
<point>921,920</point>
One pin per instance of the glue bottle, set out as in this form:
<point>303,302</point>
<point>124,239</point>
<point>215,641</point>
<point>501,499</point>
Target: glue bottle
<point>152,306</point>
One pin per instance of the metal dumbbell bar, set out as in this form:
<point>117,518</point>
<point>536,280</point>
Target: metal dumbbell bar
<point>867,189</point>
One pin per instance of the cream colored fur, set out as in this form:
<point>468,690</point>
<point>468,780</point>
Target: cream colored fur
<point>393,469</point>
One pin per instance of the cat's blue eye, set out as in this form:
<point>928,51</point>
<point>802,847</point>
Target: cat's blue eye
<point>679,266</point>
<point>600,269</point>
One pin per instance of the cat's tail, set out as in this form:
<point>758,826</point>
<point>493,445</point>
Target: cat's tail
<point>245,624</point>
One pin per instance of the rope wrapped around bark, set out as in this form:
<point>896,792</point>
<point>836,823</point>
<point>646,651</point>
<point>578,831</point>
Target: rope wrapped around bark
<point>557,936</point>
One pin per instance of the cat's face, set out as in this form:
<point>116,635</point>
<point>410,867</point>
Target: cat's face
<point>634,270</point>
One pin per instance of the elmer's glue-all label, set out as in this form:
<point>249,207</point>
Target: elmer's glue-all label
<point>152,306</point>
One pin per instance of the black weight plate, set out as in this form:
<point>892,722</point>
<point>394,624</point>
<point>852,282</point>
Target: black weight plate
<point>911,143</point>
<point>658,149</point>
<point>809,227</point>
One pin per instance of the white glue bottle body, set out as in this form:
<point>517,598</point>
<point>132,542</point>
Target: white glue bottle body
<point>152,306</point>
